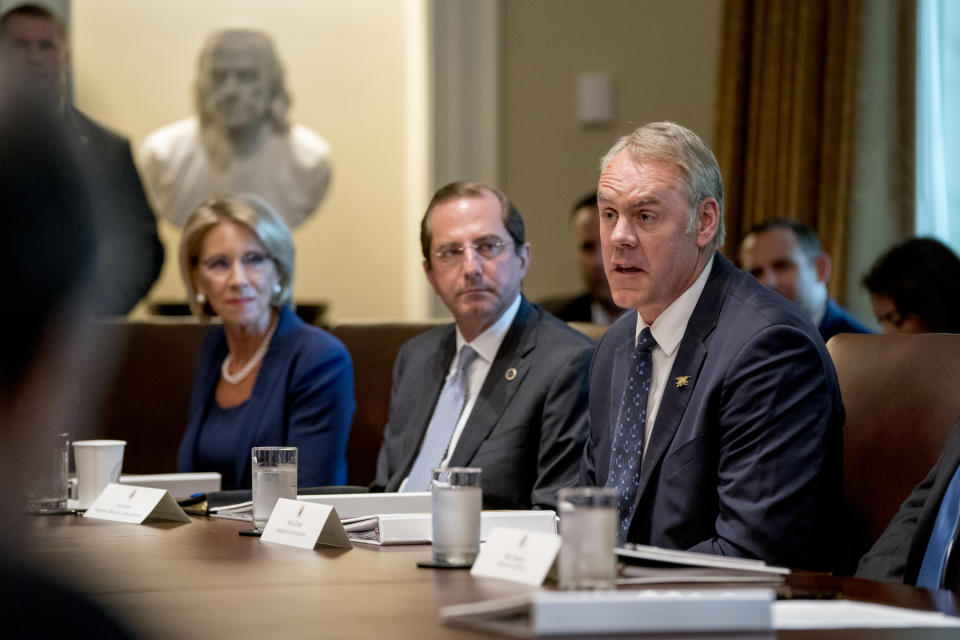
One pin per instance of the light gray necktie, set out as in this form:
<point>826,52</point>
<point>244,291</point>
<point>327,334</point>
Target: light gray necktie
<point>450,404</point>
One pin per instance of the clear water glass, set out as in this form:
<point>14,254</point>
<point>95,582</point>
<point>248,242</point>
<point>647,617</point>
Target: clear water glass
<point>457,500</point>
<point>274,477</point>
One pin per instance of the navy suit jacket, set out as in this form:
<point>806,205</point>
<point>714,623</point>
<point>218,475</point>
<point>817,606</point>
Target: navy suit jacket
<point>303,397</point>
<point>898,553</point>
<point>526,432</point>
<point>836,320</point>
<point>745,459</point>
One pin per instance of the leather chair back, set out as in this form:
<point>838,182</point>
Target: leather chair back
<point>373,346</point>
<point>145,389</point>
<point>901,394</point>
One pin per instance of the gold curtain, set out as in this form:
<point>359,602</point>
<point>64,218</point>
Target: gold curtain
<point>791,128</point>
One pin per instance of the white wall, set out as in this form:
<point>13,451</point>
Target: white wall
<point>662,55</point>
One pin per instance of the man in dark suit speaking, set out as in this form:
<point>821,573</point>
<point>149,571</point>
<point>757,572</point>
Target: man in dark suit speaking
<point>505,387</point>
<point>714,408</point>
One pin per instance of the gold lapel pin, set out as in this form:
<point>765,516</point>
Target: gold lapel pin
<point>510,374</point>
<point>682,381</point>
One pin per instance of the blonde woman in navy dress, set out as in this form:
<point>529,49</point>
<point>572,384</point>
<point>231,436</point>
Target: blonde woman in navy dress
<point>264,377</point>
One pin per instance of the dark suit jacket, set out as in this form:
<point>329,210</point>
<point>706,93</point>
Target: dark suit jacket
<point>525,433</point>
<point>839,320</point>
<point>303,397</point>
<point>129,253</point>
<point>570,309</point>
<point>898,553</point>
<point>744,460</point>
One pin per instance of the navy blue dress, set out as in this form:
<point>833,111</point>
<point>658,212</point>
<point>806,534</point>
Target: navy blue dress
<point>303,397</point>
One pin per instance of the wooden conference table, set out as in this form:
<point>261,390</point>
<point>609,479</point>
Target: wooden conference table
<point>203,580</point>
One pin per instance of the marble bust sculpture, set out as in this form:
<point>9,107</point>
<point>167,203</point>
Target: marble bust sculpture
<point>240,139</point>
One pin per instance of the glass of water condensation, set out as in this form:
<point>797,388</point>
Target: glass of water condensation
<point>48,491</point>
<point>274,477</point>
<point>588,528</point>
<point>456,502</point>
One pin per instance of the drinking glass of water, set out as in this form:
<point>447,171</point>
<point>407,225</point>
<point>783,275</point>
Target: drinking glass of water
<point>274,477</point>
<point>588,527</point>
<point>456,503</point>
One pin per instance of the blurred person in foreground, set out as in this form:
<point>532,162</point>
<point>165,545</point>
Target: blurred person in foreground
<point>596,304</point>
<point>785,255</point>
<point>33,45</point>
<point>265,377</point>
<point>915,288</point>
<point>714,406</point>
<point>47,252</point>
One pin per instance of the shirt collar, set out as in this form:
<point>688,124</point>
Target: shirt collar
<point>488,343</point>
<point>669,327</point>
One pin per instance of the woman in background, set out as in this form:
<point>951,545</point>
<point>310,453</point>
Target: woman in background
<point>265,377</point>
<point>915,288</point>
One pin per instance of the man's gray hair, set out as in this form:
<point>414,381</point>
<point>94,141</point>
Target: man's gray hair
<point>674,143</point>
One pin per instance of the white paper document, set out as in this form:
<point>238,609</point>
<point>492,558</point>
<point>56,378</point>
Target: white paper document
<point>599,612</point>
<point>304,525</point>
<point>417,528</point>
<point>354,505</point>
<point>846,614</point>
<point>180,485</point>
<point>658,556</point>
<point>124,503</point>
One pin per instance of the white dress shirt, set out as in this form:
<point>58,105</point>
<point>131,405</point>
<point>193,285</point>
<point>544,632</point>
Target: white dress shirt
<point>668,330</point>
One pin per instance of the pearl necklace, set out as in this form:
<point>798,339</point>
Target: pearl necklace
<point>235,378</point>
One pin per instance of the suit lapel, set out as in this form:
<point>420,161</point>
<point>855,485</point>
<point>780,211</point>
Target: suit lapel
<point>435,369</point>
<point>692,352</point>
<point>498,390</point>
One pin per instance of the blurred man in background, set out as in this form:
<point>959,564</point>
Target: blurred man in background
<point>33,48</point>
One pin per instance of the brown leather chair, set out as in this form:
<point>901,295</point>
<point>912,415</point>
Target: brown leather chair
<point>373,347</point>
<point>145,383</point>
<point>902,397</point>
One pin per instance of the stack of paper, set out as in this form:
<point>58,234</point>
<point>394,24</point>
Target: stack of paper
<point>180,485</point>
<point>416,528</point>
<point>355,505</point>
<point>601,612</point>
<point>654,565</point>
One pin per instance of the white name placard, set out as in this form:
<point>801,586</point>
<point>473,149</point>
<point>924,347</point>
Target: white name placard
<point>126,503</point>
<point>517,556</point>
<point>305,525</point>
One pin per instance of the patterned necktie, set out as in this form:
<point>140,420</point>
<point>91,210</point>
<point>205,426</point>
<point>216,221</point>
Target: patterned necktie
<point>627,449</point>
<point>440,430</point>
<point>942,537</point>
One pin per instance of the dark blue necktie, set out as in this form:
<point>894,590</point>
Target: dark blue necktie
<point>446,415</point>
<point>942,537</point>
<point>627,449</point>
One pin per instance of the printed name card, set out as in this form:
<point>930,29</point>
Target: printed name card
<point>127,503</point>
<point>305,525</point>
<point>517,555</point>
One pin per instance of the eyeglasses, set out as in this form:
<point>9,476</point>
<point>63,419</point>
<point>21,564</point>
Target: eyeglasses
<point>486,248</point>
<point>220,265</point>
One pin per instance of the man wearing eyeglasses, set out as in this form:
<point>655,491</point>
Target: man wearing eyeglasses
<point>505,387</point>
